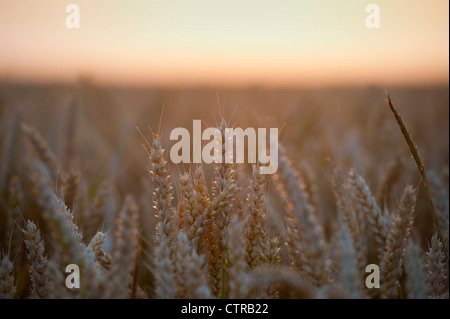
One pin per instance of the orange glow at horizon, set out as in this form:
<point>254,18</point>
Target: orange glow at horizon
<point>226,42</point>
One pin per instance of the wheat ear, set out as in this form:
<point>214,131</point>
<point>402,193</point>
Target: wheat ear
<point>197,205</point>
<point>95,245</point>
<point>350,275</point>
<point>365,203</point>
<point>221,210</point>
<point>256,222</point>
<point>439,194</point>
<point>164,271</point>
<point>58,288</point>
<point>201,211</point>
<point>392,259</point>
<point>60,220</point>
<point>191,280</point>
<point>352,218</point>
<point>239,285</point>
<point>42,149</point>
<point>125,249</point>
<point>436,272</point>
<point>305,235</point>
<point>38,261</point>
<point>415,272</point>
<point>163,192</point>
<point>7,285</point>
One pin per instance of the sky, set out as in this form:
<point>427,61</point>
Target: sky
<point>226,42</point>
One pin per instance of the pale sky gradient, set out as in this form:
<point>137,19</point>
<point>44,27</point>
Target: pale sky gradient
<point>226,42</point>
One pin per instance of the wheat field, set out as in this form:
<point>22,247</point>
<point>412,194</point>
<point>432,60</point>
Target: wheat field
<point>85,179</point>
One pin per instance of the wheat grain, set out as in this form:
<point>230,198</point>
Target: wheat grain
<point>218,244</point>
<point>95,245</point>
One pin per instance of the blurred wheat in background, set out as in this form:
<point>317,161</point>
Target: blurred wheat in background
<point>78,187</point>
